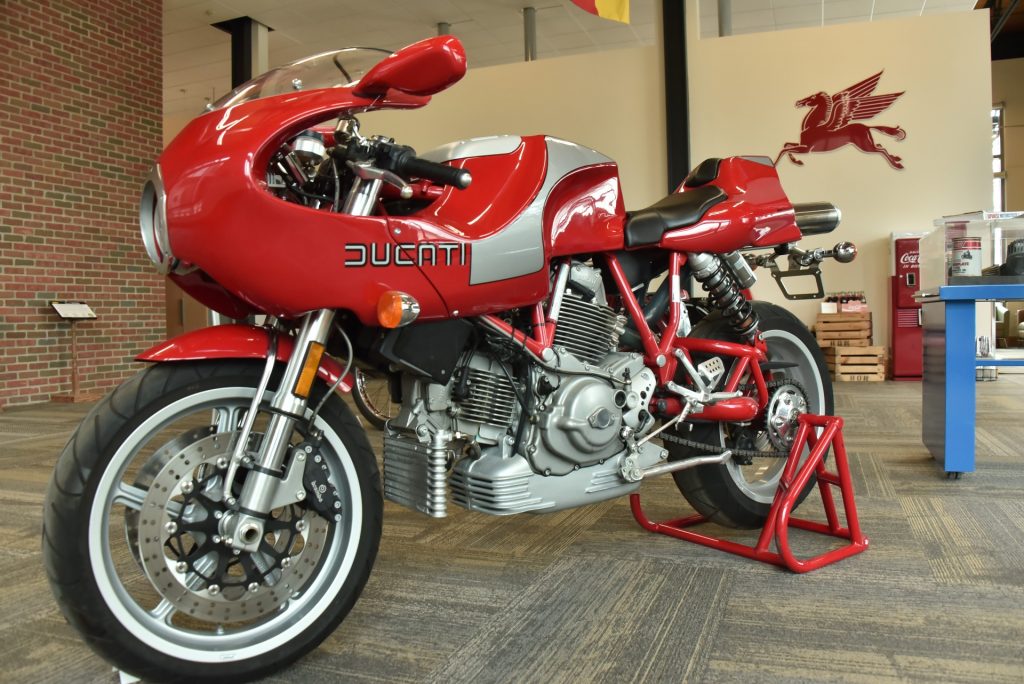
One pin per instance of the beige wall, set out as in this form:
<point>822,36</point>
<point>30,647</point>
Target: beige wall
<point>741,98</point>
<point>611,101</point>
<point>742,94</point>
<point>174,124</point>
<point>1008,88</point>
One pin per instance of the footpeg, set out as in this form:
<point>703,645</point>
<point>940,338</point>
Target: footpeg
<point>705,377</point>
<point>701,398</point>
<point>711,371</point>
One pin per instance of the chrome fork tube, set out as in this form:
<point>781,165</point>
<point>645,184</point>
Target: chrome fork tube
<point>243,530</point>
<point>316,327</point>
<point>361,197</point>
<point>242,441</point>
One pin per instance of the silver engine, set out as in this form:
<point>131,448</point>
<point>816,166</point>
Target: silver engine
<point>586,402</point>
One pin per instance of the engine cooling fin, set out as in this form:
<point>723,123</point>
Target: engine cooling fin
<point>491,400</point>
<point>587,331</point>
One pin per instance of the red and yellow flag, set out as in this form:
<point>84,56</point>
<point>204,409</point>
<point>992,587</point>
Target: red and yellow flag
<point>616,10</point>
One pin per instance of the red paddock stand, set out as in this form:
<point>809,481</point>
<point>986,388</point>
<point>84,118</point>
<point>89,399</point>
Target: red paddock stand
<point>794,478</point>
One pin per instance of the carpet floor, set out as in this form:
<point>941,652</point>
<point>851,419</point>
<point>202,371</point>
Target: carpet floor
<point>587,596</point>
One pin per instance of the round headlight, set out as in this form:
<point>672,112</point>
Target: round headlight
<point>153,222</point>
<point>147,219</point>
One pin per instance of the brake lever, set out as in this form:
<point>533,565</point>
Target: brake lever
<point>367,171</point>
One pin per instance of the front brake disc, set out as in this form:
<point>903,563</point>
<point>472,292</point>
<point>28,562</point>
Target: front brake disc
<point>196,572</point>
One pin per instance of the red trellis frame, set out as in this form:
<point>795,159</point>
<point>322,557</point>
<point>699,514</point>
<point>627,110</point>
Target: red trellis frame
<point>795,477</point>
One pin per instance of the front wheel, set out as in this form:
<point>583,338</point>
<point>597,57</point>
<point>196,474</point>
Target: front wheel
<point>738,494</point>
<point>131,541</point>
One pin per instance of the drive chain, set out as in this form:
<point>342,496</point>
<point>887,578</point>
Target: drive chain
<point>717,448</point>
<point>741,453</point>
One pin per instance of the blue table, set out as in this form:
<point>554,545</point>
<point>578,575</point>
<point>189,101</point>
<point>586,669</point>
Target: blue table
<point>948,402</point>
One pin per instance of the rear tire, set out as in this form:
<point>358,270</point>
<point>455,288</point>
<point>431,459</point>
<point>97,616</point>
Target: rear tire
<point>150,454</point>
<point>732,494</point>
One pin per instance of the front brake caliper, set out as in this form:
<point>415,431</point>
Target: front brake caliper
<point>322,495</point>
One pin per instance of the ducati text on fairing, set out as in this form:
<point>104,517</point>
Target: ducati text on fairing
<point>407,254</point>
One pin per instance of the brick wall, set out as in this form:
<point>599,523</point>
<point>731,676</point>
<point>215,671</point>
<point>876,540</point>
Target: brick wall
<point>80,126</point>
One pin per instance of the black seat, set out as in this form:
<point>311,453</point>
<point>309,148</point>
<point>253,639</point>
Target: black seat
<point>647,226</point>
<point>704,173</point>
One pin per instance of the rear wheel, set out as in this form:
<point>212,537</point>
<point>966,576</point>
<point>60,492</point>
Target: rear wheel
<point>739,494</point>
<point>131,538</point>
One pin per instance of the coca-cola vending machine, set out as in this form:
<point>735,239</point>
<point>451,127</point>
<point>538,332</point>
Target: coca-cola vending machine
<point>905,324</point>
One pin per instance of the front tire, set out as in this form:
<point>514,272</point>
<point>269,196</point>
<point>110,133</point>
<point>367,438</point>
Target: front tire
<point>739,495</point>
<point>180,608</point>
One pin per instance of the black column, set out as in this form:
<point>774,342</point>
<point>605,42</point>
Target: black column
<point>242,31</point>
<point>677,108</point>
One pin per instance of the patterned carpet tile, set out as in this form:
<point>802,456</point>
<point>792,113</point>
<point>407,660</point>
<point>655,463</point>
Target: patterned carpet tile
<point>969,540</point>
<point>599,619</point>
<point>417,610</point>
<point>817,630</point>
<point>586,595</point>
<point>521,536</point>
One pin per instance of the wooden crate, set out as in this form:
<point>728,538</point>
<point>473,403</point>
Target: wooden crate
<point>829,344</point>
<point>856,364</point>
<point>844,317</point>
<point>843,330</point>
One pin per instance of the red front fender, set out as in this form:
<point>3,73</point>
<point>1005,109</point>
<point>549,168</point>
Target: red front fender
<point>236,342</point>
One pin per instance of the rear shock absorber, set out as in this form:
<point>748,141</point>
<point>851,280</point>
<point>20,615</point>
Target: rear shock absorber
<point>724,291</point>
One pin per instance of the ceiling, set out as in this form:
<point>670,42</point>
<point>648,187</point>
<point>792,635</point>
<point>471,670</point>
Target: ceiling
<point>1009,41</point>
<point>197,60</point>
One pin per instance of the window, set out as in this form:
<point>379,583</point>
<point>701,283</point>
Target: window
<point>998,168</point>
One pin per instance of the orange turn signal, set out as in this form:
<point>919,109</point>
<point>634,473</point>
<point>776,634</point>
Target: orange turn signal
<point>395,309</point>
<point>309,366</point>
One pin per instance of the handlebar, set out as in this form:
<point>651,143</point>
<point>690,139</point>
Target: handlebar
<point>816,218</point>
<point>440,173</point>
<point>403,161</point>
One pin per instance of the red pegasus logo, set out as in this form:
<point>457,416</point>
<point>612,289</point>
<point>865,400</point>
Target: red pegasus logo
<point>828,126</point>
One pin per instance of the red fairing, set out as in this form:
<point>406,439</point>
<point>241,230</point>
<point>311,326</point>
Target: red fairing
<point>221,217</point>
<point>585,212</point>
<point>504,185</point>
<point>756,214</point>
<point>423,68</point>
<point>212,295</point>
<point>236,342</point>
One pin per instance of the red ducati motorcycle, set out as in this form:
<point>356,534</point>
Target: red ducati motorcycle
<point>216,516</point>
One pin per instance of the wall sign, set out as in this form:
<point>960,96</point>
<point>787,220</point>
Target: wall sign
<point>830,123</point>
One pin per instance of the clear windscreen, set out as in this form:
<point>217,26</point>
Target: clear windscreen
<point>326,70</point>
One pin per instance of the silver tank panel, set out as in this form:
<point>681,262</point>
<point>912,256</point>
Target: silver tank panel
<point>518,249</point>
<point>474,147</point>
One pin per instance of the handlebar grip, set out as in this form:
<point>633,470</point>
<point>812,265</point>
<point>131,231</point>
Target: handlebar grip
<point>816,218</point>
<point>439,173</point>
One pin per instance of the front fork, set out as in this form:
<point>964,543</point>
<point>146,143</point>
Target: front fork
<point>265,486</point>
